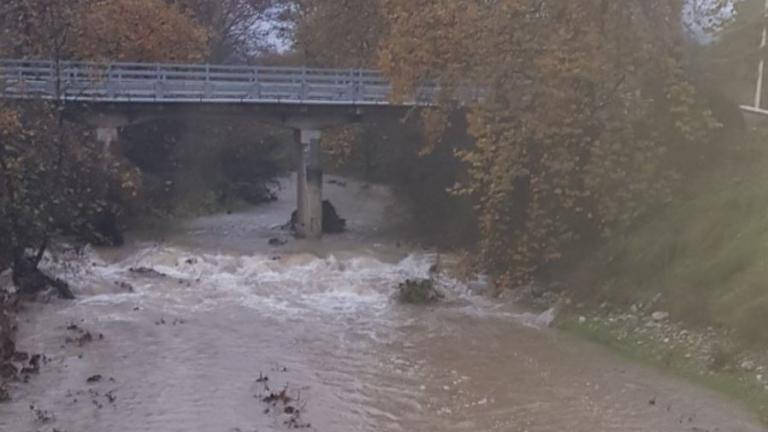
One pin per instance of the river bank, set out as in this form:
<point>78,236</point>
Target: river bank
<point>711,358</point>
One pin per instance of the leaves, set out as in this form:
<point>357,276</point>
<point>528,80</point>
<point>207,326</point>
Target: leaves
<point>583,102</point>
<point>137,30</point>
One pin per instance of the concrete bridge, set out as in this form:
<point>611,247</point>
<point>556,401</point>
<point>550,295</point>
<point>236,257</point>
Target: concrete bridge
<point>109,96</point>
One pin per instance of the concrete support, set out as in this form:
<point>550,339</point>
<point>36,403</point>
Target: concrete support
<point>107,136</point>
<point>310,185</point>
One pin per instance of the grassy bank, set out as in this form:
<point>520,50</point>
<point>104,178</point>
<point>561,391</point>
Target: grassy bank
<point>700,264</point>
<point>694,362</point>
<point>704,255</point>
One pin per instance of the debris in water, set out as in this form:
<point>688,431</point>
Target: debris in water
<point>288,408</point>
<point>5,396</point>
<point>94,379</point>
<point>418,291</point>
<point>125,285</point>
<point>84,338</point>
<point>274,398</point>
<point>146,272</point>
<point>110,395</point>
<point>42,415</point>
<point>34,365</point>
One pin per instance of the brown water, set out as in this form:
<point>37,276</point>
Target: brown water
<point>183,351</point>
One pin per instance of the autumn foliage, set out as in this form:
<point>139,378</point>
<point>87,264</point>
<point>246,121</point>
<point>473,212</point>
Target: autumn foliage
<point>585,105</point>
<point>138,30</point>
<point>54,178</point>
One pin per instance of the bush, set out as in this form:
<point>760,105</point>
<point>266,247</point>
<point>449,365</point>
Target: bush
<point>418,291</point>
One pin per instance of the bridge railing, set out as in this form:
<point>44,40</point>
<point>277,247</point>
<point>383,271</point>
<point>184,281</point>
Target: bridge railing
<point>145,82</point>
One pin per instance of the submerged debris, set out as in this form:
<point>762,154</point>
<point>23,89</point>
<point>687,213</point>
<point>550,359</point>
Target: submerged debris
<point>147,272</point>
<point>94,379</point>
<point>84,336</point>
<point>283,405</point>
<point>5,396</point>
<point>418,291</point>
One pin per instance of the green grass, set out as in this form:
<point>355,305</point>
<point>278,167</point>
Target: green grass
<point>739,386</point>
<point>707,253</point>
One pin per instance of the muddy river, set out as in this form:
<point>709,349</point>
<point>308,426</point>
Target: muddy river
<point>207,328</point>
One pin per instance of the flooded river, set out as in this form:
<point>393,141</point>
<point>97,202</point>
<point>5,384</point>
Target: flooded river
<point>187,327</point>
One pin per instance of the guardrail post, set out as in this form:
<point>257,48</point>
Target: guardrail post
<point>358,85</point>
<point>55,76</point>
<point>158,83</point>
<point>303,90</point>
<point>207,87</point>
<point>256,87</point>
<point>110,83</point>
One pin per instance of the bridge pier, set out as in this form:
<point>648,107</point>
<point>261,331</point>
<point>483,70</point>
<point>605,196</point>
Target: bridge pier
<point>107,136</point>
<point>309,192</point>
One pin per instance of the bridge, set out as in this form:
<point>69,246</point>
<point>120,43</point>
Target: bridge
<point>109,96</point>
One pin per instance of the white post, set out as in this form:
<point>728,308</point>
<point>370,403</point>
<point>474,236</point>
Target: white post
<point>761,65</point>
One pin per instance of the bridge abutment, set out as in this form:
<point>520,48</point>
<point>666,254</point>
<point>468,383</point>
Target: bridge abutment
<point>309,184</point>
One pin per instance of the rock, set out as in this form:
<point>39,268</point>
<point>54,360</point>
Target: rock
<point>660,316</point>
<point>146,272</point>
<point>759,377</point>
<point>536,290</point>
<point>748,365</point>
<point>655,299</point>
<point>277,241</point>
<point>332,222</point>
<point>582,320</point>
<point>8,371</point>
<point>8,347</point>
<point>420,291</point>
<point>5,396</point>
<point>31,280</point>
<point>634,309</point>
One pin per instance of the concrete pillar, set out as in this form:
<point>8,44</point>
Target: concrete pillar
<point>107,136</point>
<point>310,185</point>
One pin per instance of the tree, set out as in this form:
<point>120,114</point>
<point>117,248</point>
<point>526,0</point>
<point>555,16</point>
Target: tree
<point>337,33</point>
<point>137,30</point>
<point>586,105</point>
<point>54,177</point>
<point>237,29</point>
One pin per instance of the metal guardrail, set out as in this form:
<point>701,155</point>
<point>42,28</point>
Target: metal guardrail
<point>161,83</point>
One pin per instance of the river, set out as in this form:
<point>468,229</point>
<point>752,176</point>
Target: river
<point>187,346</point>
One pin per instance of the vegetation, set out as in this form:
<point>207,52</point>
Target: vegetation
<point>705,253</point>
<point>738,385</point>
<point>56,179</point>
<point>418,291</point>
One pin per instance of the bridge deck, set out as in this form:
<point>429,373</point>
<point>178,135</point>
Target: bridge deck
<point>186,83</point>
